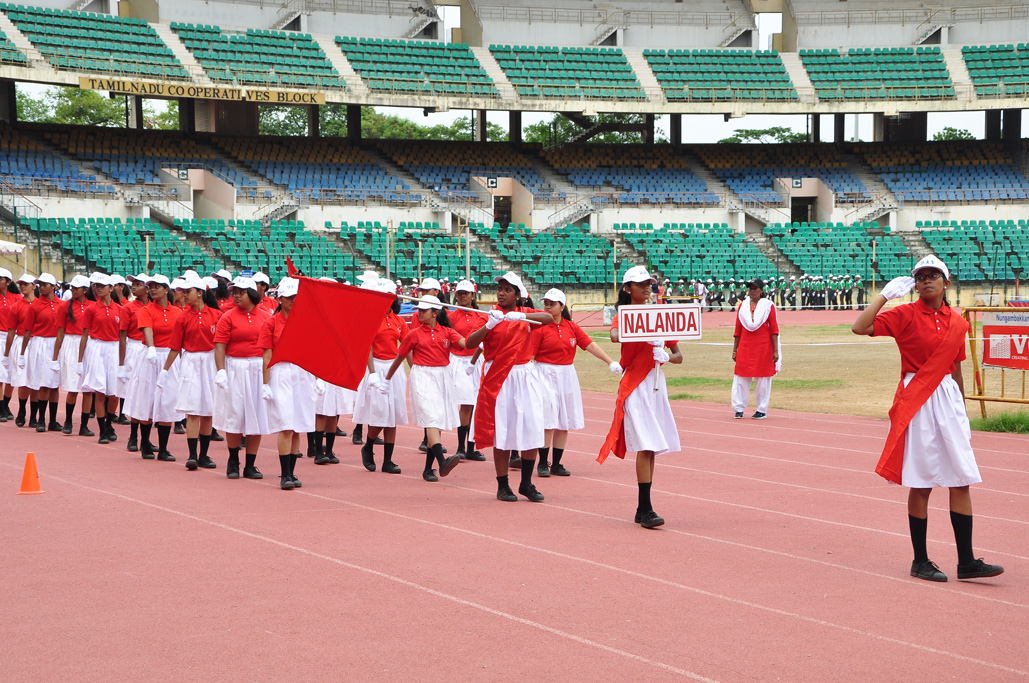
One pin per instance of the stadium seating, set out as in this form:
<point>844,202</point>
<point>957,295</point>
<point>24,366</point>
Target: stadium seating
<point>638,173</point>
<point>568,256</point>
<point>87,41</point>
<point>980,250</point>
<point>441,253</point>
<point>417,66</point>
<point>9,53</point>
<point>259,56</point>
<point>864,73</point>
<point>826,249</point>
<point>698,250</point>
<point>714,75</point>
<point>751,170</point>
<point>998,69</point>
<point>569,72</point>
<point>947,171</point>
<point>27,166</point>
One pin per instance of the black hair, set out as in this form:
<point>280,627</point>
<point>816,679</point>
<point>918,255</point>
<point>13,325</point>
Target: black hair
<point>115,297</point>
<point>222,290</point>
<point>395,307</point>
<point>254,297</point>
<point>210,300</point>
<point>624,297</point>
<point>443,319</point>
<point>124,290</point>
<point>526,302</point>
<point>564,312</point>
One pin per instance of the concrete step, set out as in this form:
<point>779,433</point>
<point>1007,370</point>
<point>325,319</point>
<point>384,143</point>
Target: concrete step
<point>493,70</point>
<point>959,76</point>
<point>626,252</point>
<point>798,74</point>
<point>340,63</point>
<point>767,247</point>
<point>647,79</point>
<point>36,59</point>
<point>182,53</point>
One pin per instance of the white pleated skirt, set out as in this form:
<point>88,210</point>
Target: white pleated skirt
<point>293,398</point>
<point>100,367</point>
<point>71,380</point>
<point>335,401</point>
<point>16,375</point>
<point>135,351</point>
<point>466,387</point>
<point>195,394</point>
<point>146,401</point>
<point>518,418</point>
<point>432,397</point>
<point>39,358</point>
<point>649,424</point>
<point>562,397</point>
<point>937,443</point>
<point>239,408</point>
<point>5,373</point>
<point>376,409</point>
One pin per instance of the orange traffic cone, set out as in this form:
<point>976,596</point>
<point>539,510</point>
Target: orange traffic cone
<point>30,480</point>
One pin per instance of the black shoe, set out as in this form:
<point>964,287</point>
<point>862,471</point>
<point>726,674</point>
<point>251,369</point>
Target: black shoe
<point>177,429</point>
<point>103,438</point>
<point>543,468</point>
<point>340,432</point>
<point>8,413</point>
<point>286,483</point>
<point>147,449</point>
<point>448,465</point>
<point>124,420</point>
<point>515,462</point>
<point>333,460</point>
<point>506,494</point>
<point>232,469</point>
<point>296,482</point>
<point>41,426</point>
<point>390,467</point>
<point>133,445</point>
<point>423,447</point>
<point>321,458</point>
<point>368,457</point>
<point>252,473</point>
<point>165,456</point>
<point>461,454</point>
<point>649,519</point>
<point>378,441</point>
<point>32,424</point>
<point>927,569</point>
<point>66,429</point>
<point>355,438</point>
<point>85,431</point>
<point>112,435</point>
<point>430,475</point>
<point>758,416</point>
<point>54,426</point>
<point>738,416</point>
<point>206,463</point>
<point>20,420</point>
<point>3,415</point>
<point>476,456</point>
<point>530,492</point>
<point>978,570</point>
<point>559,470</point>
<point>191,464</point>
<point>215,436</point>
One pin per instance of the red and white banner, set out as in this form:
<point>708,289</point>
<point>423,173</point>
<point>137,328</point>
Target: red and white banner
<point>651,323</point>
<point>1006,340</point>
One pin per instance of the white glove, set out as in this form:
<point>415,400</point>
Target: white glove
<point>657,342</point>
<point>383,385</point>
<point>319,387</point>
<point>470,369</point>
<point>266,392</point>
<point>162,378</point>
<point>123,373</point>
<point>898,287</point>
<point>615,368</point>
<point>221,378</point>
<point>55,365</point>
<point>21,361</point>
<point>151,354</point>
<point>5,362</point>
<point>373,380</point>
<point>661,356</point>
<point>495,318</point>
<point>514,316</point>
<point>78,369</point>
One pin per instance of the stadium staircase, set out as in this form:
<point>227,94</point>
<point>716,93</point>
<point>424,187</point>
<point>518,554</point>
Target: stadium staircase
<point>36,59</point>
<point>915,243</point>
<point>493,70</point>
<point>627,252</point>
<point>185,57</point>
<point>959,75</point>
<point>341,64</point>
<point>883,200</point>
<point>766,246</point>
<point>396,169</point>
<point>714,183</point>
<point>643,72</point>
<point>798,74</point>
<point>502,264</point>
<point>571,213</point>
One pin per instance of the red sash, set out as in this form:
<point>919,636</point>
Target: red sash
<point>910,399</point>
<point>637,360</point>
<point>492,381</point>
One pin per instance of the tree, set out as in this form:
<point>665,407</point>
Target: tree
<point>775,134</point>
<point>72,106</point>
<point>950,133</point>
<point>165,119</point>
<point>33,109</point>
<point>282,121</point>
<point>560,130</point>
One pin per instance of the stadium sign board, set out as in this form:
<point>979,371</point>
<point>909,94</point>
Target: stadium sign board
<point>199,92</point>
<point>665,321</point>
<point>1006,339</point>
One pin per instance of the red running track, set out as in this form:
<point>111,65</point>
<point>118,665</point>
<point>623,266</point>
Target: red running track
<point>783,557</point>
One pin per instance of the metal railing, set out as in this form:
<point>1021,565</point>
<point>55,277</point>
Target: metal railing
<point>999,366</point>
<point>915,16</point>
<point>585,17</point>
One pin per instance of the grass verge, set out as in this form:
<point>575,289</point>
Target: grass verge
<point>1016,422</point>
<point>684,397</point>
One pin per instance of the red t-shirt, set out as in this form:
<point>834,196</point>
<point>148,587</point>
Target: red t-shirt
<point>9,305</point>
<point>269,304</point>
<point>194,330</point>
<point>517,334</point>
<point>130,319</point>
<point>754,353</point>
<point>103,322</point>
<point>239,330</point>
<point>41,318</point>
<point>556,344</point>
<point>918,330</point>
<point>391,332</point>
<point>430,346</point>
<point>271,331</point>
<point>631,348</point>
<point>161,321</point>
<point>21,315</point>
<point>73,327</point>
<point>226,303</point>
<point>465,323</point>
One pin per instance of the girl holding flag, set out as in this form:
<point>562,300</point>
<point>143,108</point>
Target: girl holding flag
<point>643,420</point>
<point>756,351</point>
<point>928,445</point>
<point>466,368</point>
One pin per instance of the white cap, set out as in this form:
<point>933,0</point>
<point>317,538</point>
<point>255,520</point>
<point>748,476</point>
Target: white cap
<point>194,282</point>
<point>47,278</point>
<point>222,273</point>
<point>555,294</point>
<point>100,279</point>
<point>6,273</point>
<point>429,283</point>
<point>210,282</point>
<point>27,279</point>
<point>427,302</point>
<point>178,283</point>
<point>637,274</point>
<point>931,261</point>
<point>369,275</point>
<point>190,274</point>
<point>80,281</point>
<point>244,283</point>
<point>142,277</point>
<point>158,279</point>
<point>66,296</point>
<point>289,286</point>
<point>513,280</point>
<point>375,284</point>
<point>465,286</point>
<point>261,277</point>
<point>117,279</point>
<point>384,286</point>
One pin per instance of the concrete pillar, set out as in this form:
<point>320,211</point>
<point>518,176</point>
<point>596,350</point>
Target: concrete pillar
<point>354,123</point>
<point>514,128</point>
<point>1012,128</point>
<point>910,127</point>
<point>878,127</point>
<point>676,128</point>
<point>993,124</point>
<point>135,112</point>
<point>313,121</point>
<point>648,133</point>
<point>234,118</point>
<point>839,131</point>
<point>816,128</point>
<point>8,102</point>
<point>188,116</point>
<point>479,118</point>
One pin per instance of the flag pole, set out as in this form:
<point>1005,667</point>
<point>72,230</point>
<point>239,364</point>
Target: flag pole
<point>460,308</point>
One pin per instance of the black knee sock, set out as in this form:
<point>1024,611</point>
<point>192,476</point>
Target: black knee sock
<point>251,460</point>
<point>462,434</point>
<point>430,459</point>
<point>425,436</point>
<point>918,527</point>
<point>544,454</point>
<point>85,418</point>
<point>293,464</point>
<point>387,452</point>
<point>283,465</point>
<point>144,432</point>
<point>234,455</point>
<point>330,440</point>
<point>121,406</point>
<point>310,441</point>
<point>558,452</point>
<point>163,432</point>
<point>53,411</point>
<point>33,408</point>
<point>358,431</point>
<point>471,447</point>
<point>21,407</point>
<point>205,443</point>
<point>502,483</point>
<point>69,409</point>
<point>527,467</point>
<point>133,430</point>
<point>644,504</point>
<point>963,536</point>
<point>318,440</point>
<point>436,452</point>
<point>191,444</point>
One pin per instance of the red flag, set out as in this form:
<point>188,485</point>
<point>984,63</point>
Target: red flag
<point>291,270</point>
<point>330,330</point>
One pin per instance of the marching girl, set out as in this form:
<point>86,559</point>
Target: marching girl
<point>429,286</point>
<point>466,368</point>
<point>509,408</point>
<point>178,300</point>
<point>15,362</point>
<point>238,406</point>
<point>66,352</point>
<point>8,301</point>
<point>131,349</point>
<point>288,390</point>
<point>221,292</point>
<point>329,404</point>
<point>553,347</point>
<point>929,441</point>
<point>192,337</point>
<point>37,348</point>
<point>643,420</point>
<point>432,386</point>
<point>263,284</point>
<point>98,359</point>
<point>147,402</point>
<point>382,411</point>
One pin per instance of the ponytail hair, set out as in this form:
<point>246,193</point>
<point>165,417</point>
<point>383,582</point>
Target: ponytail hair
<point>443,319</point>
<point>210,300</point>
<point>564,312</point>
<point>71,310</point>
<point>115,297</point>
<point>395,307</point>
<point>222,291</point>
<point>624,298</point>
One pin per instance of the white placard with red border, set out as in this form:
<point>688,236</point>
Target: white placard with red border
<point>1006,339</point>
<point>665,321</point>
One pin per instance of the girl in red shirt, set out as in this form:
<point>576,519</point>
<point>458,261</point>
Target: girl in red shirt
<point>66,352</point>
<point>37,350</point>
<point>98,359</point>
<point>554,350</point>
<point>432,388</point>
<point>131,348</point>
<point>238,407</point>
<point>7,303</point>
<point>192,343</point>
<point>27,287</point>
<point>466,368</point>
